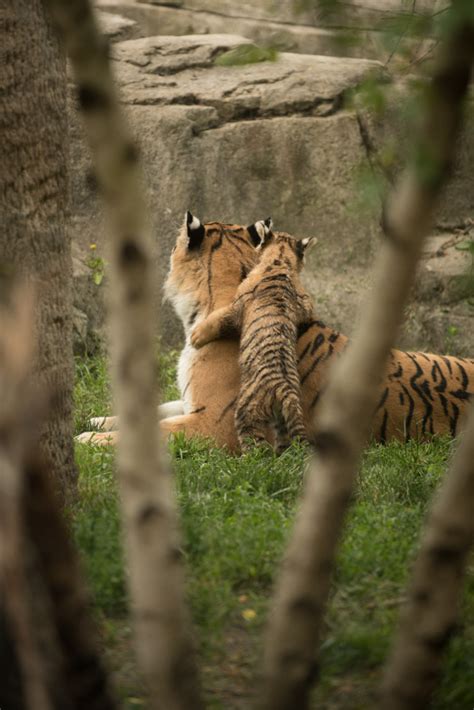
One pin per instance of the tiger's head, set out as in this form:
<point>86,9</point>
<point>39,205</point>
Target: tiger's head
<point>281,246</point>
<point>207,264</point>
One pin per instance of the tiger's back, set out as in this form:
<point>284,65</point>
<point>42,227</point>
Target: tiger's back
<point>270,304</point>
<point>422,394</point>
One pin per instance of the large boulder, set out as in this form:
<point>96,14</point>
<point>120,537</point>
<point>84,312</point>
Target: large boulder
<point>243,142</point>
<point>352,28</point>
<point>235,143</point>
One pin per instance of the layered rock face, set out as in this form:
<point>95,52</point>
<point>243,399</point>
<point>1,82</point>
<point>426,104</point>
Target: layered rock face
<point>355,28</point>
<point>276,138</point>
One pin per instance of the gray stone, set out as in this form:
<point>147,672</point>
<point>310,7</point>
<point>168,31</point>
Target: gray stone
<point>237,143</point>
<point>80,328</point>
<point>244,142</point>
<point>117,27</point>
<point>359,32</point>
<point>353,13</point>
<point>88,315</point>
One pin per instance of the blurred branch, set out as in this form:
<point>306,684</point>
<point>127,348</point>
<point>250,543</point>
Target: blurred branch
<point>16,354</point>
<point>83,678</point>
<point>429,618</point>
<point>347,406</point>
<point>160,617</point>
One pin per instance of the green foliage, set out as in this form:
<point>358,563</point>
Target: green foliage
<point>236,514</point>
<point>246,54</point>
<point>92,388</point>
<point>466,281</point>
<point>369,95</point>
<point>96,265</point>
<point>96,528</point>
<point>91,392</point>
<point>370,189</point>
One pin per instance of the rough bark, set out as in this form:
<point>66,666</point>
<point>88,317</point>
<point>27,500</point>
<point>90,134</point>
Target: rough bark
<point>154,558</point>
<point>429,618</point>
<point>33,193</point>
<point>290,665</point>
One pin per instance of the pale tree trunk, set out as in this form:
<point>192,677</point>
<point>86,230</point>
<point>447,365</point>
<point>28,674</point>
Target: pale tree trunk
<point>33,194</point>
<point>48,613</point>
<point>82,679</point>
<point>429,618</point>
<point>17,585</point>
<point>347,406</point>
<point>162,626</point>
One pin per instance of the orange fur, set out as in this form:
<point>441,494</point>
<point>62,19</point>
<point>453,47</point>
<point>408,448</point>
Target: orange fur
<point>422,394</point>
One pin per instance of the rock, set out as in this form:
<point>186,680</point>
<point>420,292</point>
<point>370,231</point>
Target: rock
<point>276,138</point>
<point>356,29</point>
<point>80,328</point>
<point>354,13</point>
<point>237,143</point>
<point>162,19</point>
<point>88,315</point>
<point>117,27</point>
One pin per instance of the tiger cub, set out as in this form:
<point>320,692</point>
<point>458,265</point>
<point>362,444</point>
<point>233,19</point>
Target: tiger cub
<point>268,307</point>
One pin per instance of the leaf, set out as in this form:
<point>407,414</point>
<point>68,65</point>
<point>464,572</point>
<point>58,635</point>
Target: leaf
<point>246,54</point>
<point>467,245</point>
<point>98,277</point>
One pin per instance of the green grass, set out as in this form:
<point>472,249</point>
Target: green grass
<point>236,514</point>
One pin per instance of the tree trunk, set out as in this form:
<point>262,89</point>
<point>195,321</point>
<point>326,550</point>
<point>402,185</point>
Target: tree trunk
<point>350,400</point>
<point>33,188</point>
<point>429,617</point>
<point>156,574</point>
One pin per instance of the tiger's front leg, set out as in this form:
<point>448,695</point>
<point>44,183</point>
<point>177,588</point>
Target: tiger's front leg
<point>219,324</point>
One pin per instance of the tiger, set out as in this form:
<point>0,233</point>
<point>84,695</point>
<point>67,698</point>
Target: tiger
<point>421,394</point>
<point>266,311</point>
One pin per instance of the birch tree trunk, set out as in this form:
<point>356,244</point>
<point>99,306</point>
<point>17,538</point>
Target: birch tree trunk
<point>429,618</point>
<point>33,199</point>
<point>81,673</point>
<point>161,623</point>
<point>347,407</point>
<point>16,584</point>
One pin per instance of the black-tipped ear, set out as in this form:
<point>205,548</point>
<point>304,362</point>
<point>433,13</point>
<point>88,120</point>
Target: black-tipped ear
<point>259,231</point>
<point>195,231</point>
<point>303,245</point>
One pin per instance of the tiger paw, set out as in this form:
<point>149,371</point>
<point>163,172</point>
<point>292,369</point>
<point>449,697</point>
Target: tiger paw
<point>200,335</point>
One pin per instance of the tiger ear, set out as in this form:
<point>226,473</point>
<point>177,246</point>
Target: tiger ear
<point>260,230</point>
<point>304,245</point>
<point>194,230</point>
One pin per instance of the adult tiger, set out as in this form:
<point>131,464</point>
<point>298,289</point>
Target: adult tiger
<point>421,394</point>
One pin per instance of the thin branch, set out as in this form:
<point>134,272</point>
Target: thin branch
<point>156,580</point>
<point>347,406</point>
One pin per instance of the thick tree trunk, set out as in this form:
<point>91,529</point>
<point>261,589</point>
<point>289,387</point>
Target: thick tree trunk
<point>33,193</point>
<point>429,618</point>
<point>160,616</point>
<point>350,400</point>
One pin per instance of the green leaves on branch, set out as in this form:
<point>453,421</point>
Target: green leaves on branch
<point>369,95</point>
<point>246,54</point>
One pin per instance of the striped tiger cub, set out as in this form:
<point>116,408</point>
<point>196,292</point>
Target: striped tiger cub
<point>268,307</point>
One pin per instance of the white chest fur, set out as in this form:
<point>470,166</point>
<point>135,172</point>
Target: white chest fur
<point>185,364</point>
